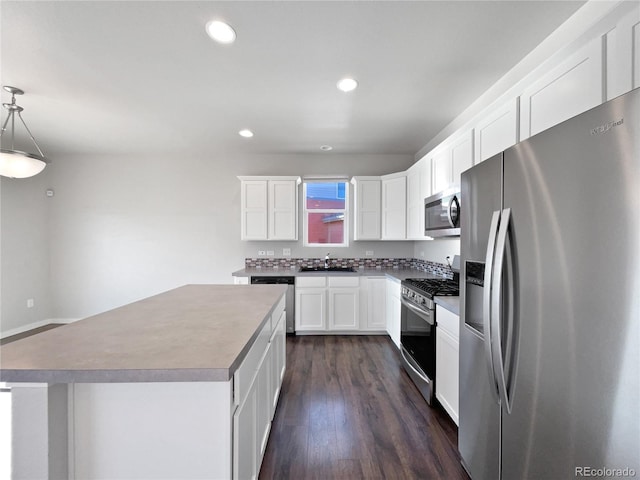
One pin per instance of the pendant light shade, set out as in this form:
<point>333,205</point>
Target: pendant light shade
<point>16,163</point>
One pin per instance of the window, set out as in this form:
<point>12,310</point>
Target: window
<point>325,213</point>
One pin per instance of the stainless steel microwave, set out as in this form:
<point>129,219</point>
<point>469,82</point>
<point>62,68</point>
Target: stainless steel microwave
<point>442,214</point>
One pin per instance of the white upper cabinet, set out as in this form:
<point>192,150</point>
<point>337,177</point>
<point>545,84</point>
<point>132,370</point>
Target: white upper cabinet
<point>441,164</point>
<point>415,202</point>
<point>367,207</point>
<point>461,155</point>
<point>394,206</point>
<point>283,210</point>
<point>623,55</point>
<point>572,87</point>
<point>425,182</point>
<point>450,159</point>
<point>496,131</point>
<point>269,208</point>
<point>253,202</point>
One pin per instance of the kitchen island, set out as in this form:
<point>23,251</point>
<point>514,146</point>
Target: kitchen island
<point>179,385</point>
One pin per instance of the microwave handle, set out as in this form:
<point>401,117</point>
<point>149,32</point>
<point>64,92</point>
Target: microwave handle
<point>452,222</point>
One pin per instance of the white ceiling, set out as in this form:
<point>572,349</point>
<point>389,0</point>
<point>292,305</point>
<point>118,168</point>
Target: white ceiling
<point>134,77</point>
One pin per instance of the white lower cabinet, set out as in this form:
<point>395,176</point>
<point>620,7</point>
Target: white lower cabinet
<point>343,308</point>
<point>257,384</point>
<point>393,307</point>
<point>278,360</point>
<point>244,437</point>
<point>447,361</point>
<point>373,302</point>
<point>311,304</point>
<point>328,304</point>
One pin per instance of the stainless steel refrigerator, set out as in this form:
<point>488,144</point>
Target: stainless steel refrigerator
<point>550,302</point>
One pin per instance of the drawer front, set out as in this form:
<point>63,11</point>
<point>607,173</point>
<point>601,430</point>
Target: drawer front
<point>311,282</point>
<point>243,377</point>
<point>344,281</point>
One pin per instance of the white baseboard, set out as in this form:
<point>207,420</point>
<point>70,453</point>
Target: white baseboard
<point>31,326</point>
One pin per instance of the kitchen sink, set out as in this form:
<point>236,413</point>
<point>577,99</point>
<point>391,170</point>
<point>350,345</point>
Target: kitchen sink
<point>328,269</point>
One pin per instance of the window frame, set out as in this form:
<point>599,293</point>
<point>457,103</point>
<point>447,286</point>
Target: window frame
<point>345,211</point>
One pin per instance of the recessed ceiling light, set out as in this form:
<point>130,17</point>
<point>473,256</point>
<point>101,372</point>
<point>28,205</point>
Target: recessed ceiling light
<point>221,32</point>
<point>326,148</point>
<point>347,84</point>
<point>246,133</point>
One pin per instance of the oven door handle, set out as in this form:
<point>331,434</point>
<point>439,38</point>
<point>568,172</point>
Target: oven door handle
<point>409,362</point>
<point>423,314</point>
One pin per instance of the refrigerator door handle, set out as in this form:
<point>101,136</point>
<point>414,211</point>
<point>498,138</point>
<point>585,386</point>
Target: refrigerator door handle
<point>496,309</point>
<point>486,304</point>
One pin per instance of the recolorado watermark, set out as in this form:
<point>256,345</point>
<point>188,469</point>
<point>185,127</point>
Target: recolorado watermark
<point>605,472</point>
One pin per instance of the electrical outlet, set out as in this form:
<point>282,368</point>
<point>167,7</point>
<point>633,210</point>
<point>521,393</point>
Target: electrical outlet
<point>270,253</point>
<point>369,253</point>
<point>286,252</point>
<point>31,303</point>
<point>422,254</point>
<point>261,253</point>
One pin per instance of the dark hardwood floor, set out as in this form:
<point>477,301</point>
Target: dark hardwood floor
<point>348,410</point>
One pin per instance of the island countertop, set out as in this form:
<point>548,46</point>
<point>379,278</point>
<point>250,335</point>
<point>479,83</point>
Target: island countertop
<point>191,333</point>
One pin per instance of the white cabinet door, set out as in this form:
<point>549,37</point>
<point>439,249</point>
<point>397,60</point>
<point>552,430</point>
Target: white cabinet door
<point>263,405</point>
<point>415,203</point>
<point>241,280</point>
<point>623,55</point>
<point>253,205</point>
<point>283,210</point>
<point>244,437</point>
<point>311,309</point>
<point>368,191</point>
<point>393,310</point>
<point>571,88</point>
<point>461,155</point>
<point>447,365</point>
<point>497,131</point>
<point>344,308</point>
<point>278,360</point>
<point>447,360</point>
<point>376,304</point>
<point>442,172</point>
<point>394,207</point>
<point>269,208</point>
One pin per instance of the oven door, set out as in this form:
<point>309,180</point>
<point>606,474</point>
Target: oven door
<point>418,341</point>
<point>442,214</point>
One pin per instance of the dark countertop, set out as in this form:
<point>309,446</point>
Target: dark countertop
<point>396,273</point>
<point>450,303</point>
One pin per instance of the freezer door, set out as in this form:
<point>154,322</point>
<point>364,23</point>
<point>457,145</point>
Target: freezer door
<point>573,193</point>
<point>479,416</point>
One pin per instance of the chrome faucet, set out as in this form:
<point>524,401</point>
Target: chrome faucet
<point>326,261</point>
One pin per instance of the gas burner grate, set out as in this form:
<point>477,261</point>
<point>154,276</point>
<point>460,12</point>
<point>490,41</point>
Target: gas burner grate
<point>434,286</point>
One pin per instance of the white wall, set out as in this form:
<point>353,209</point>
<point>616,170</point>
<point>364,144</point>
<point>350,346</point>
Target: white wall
<point>24,252</point>
<point>437,250</point>
<point>125,228</point>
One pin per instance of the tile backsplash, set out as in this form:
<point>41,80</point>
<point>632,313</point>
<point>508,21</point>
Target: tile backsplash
<point>398,263</point>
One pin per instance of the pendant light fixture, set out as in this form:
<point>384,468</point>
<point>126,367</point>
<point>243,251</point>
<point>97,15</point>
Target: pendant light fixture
<point>15,163</point>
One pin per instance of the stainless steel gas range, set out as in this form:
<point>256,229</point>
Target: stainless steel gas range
<point>418,329</point>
